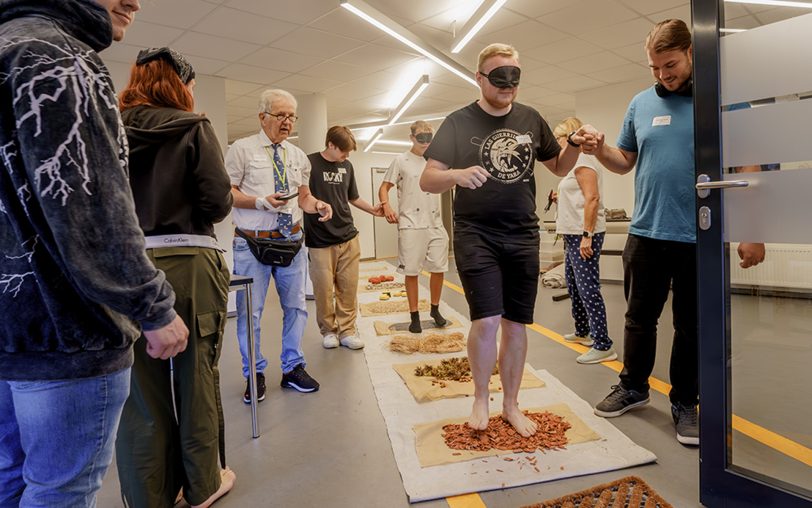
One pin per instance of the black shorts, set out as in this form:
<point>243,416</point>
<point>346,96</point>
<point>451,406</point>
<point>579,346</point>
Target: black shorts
<point>499,274</point>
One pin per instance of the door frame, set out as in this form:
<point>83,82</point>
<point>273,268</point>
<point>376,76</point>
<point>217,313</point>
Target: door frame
<point>722,484</point>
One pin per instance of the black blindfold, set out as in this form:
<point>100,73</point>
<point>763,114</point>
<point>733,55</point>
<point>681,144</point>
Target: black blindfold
<point>423,137</point>
<point>506,76</point>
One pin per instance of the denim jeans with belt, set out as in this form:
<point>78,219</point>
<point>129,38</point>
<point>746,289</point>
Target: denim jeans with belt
<point>56,438</point>
<point>652,267</point>
<point>290,285</point>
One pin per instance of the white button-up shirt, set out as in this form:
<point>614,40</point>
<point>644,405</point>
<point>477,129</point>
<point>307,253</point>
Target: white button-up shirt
<point>417,209</point>
<point>249,162</point>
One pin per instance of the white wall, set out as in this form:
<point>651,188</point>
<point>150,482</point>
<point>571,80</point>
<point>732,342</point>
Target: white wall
<point>363,163</point>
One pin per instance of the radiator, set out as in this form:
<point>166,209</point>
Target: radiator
<point>785,266</point>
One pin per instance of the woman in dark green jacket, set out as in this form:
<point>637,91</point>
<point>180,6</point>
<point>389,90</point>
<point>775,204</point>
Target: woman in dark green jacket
<point>170,436</point>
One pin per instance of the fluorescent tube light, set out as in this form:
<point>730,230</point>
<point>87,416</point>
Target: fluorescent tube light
<point>374,139</point>
<point>776,3</point>
<point>394,142</point>
<point>387,25</point>
<point>482,15</point>
<point>732,30</point>
<point>407,101</point>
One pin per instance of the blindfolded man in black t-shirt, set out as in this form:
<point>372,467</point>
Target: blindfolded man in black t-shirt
<point>492,145</point>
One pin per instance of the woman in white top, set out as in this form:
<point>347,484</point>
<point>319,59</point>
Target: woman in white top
<point>582,224</point>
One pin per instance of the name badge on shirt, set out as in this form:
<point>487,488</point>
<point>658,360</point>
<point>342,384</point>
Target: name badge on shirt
<point>661,120</point>
<point>342,170</point>
<point>523,139</point>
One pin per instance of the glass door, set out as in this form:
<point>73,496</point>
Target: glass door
<point>753,138</point>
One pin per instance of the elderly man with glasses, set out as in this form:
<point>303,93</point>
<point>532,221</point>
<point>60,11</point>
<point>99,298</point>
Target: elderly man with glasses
<point>267,173</point>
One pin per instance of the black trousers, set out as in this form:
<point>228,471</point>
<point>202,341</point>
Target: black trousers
<point>650,268</point>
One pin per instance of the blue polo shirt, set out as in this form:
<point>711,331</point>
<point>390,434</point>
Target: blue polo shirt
<point>661,131</point>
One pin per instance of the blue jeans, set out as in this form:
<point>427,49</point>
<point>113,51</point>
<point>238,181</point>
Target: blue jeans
<point>290,286</point>
<point>56,438</point>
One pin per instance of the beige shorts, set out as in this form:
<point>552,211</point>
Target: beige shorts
<point>422,249</point>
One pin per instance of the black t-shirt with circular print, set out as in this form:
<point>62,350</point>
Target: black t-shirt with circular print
<point>507,147</point>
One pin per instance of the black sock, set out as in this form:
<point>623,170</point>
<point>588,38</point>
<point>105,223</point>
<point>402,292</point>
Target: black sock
<point>414,326</point>
<point>439,320</point>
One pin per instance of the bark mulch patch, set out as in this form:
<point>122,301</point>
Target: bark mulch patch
<point>628,492</point>
<point>501,435</point>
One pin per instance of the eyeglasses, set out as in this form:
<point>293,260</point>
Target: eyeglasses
<point>281,117</point>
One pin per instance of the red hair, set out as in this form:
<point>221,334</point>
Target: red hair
<point>156,83</point>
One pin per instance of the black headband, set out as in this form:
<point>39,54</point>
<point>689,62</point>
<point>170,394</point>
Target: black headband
<point>179,63</point>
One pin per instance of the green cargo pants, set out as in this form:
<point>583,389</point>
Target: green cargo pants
<point>155,454</point>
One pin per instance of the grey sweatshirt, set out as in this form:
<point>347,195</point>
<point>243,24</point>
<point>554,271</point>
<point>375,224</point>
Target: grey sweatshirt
<point>75,283</point>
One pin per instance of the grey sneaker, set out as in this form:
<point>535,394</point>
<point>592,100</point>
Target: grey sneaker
<point>330,341</point>
<point>352,341</point>
<point>686,419</point>
<point>576,339</point>
<point>597,356</point>
<point>620,401</point>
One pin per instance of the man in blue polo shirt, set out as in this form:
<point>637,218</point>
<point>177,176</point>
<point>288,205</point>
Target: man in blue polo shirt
<point>660,253</point>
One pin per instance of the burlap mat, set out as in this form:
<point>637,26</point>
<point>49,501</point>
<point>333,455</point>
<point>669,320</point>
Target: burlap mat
<point>391,307</point>
<point>427,388</point>
<point>384,328</point>
<point>628,492</point>
<point>432,450</point>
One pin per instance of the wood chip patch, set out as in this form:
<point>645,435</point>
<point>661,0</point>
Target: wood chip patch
<point>502,436</point>
<point>391,307</point>
<point>430,343</point>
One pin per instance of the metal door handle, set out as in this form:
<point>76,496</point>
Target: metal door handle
<point>722,184</point>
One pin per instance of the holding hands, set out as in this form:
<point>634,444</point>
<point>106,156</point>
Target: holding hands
<point>377,210</point>
<point>391,215</point>
<point>590,139</point>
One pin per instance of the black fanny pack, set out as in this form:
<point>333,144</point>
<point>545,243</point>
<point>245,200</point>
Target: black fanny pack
<point>272,251</point>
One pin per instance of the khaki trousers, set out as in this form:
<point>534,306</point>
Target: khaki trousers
<point>334,273</point>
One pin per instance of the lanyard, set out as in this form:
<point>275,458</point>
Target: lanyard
<point>283,175</point>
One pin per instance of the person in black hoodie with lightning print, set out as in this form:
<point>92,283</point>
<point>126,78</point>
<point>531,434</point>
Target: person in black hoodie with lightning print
<point>76,286</point>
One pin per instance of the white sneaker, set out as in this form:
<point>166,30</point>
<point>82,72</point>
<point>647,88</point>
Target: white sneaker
<point>597,356</point>
<point>352,341</point>
<point>330,341</point>
<point>577,339</point>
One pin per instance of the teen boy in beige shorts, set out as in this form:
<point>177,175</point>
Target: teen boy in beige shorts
<point>422,239</point>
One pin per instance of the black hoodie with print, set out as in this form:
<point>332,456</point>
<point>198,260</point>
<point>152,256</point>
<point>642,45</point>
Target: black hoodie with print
<point>75,281</point>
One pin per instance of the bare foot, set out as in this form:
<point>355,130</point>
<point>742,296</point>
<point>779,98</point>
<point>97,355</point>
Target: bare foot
<point>523,425</point>
<point>479,415</point>
<point>227,479</point>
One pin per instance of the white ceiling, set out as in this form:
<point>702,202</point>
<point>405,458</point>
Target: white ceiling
<point>314,46</point>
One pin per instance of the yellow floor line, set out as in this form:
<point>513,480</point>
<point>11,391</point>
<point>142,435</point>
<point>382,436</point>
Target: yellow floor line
<point>756,432</point>
<point>465,501</point>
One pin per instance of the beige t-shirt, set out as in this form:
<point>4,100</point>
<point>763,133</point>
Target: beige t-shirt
<point>570,220</point>
<point>249,162</point>
<point>417,209</point>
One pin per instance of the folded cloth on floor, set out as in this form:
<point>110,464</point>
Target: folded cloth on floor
<point>554,278</point>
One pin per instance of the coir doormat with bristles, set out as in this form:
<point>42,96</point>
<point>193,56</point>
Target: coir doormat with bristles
<point>628,492</point>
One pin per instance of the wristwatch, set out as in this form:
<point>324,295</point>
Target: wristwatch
<point>587,234</point>
<point>570,141</point>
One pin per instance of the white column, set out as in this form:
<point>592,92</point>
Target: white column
<point>312,123</point>
<point>311,127</point>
